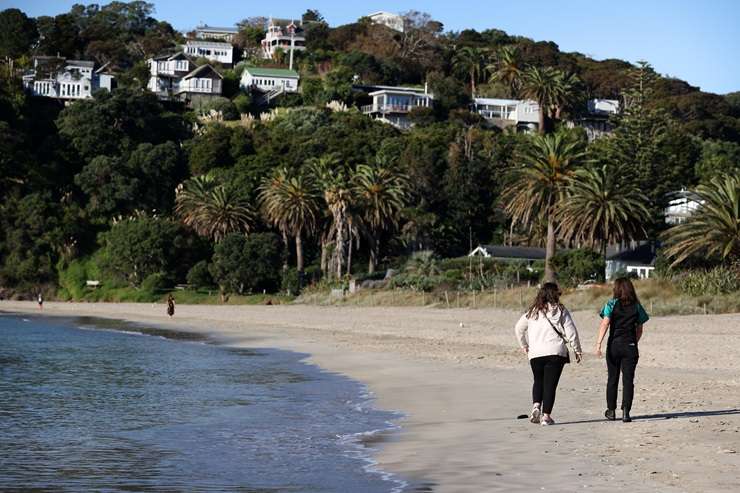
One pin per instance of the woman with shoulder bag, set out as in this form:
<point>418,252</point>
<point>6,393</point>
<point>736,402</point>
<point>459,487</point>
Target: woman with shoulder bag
<point>544,333</point>
<point>623,316</point>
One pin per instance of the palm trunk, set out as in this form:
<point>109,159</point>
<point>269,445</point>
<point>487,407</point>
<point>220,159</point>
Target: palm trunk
<point>324,256</point>
<point>299,258</point>
<point>472,84</point>
<point>542,120</point>
<point>286,253</point>
<point>349,252</point>
<point>373,256</point>
<point>550,250</point>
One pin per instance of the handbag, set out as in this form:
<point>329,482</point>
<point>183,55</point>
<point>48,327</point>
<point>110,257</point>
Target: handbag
<point>567,345</point>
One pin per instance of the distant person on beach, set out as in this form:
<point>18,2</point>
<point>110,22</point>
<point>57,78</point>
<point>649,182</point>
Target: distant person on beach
<point>170,305</point>
<point>544,332</point>
<point>623,316</point>
<point>41,301</point>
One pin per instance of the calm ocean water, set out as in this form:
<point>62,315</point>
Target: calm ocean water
<point>84,408</point>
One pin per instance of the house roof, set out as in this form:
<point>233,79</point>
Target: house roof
<point>271,72</point>
<point>81,63</point>
<point>516,252</point>
<point>641,255</point>
<point>400,90</point>
<point>206,27</point>
<point>200,71</point>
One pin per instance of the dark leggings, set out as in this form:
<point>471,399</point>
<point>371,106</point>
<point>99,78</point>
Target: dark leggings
<point>621,357</point>
<point>546,371</point>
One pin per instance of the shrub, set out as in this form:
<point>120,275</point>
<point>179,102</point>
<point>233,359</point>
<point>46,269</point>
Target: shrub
<point>290,282</point>
<point>199,275</point>
<point>576,266</point>
<point>243,103</point>
<point>716,281</point>
<point>155,283</point>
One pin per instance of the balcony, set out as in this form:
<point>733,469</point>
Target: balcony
<point>389,108</point>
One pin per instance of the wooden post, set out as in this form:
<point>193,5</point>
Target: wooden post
<point>474,298</point>
<point>458,298</point>
<point>705,308</point>
<point>447,300</point>
<point>651,307</point>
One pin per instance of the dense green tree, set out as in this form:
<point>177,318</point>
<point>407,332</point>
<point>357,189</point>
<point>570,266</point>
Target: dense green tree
<point>507,69</point>
<point>138,247</point>
<point>470,61</point>
<point>242,264</point>
<point>17,33</point>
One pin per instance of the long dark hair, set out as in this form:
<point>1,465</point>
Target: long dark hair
<point>624,291</point>
<point>548,294</point>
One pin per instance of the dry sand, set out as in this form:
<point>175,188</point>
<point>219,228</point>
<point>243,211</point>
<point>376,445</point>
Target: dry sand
<point>460,380</point>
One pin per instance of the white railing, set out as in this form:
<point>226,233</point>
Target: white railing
<point>390,108</point>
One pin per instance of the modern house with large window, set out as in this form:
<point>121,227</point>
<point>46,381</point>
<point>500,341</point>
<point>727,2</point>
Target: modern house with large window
<point>177,77</point>
<point>214,51</point>
<point>283,34</point>
<point>524,115</point>
<point>56,77</point>
<point>226,34</point>
<point>393,104</point>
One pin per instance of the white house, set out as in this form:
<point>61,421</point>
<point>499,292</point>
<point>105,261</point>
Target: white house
<point>681,207</point>
<point>639,261</point>
<point>284,34</point>
<point>524,115</point>
<point>226,34</point>
<point>394,21</point>
<point>56,77</point>
<point>393,104</point>
<point>177,77</point>
<point>271,82</point>
<point>214,51</point>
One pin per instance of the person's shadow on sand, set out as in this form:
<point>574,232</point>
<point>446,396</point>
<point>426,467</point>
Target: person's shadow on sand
<point>649,417</point>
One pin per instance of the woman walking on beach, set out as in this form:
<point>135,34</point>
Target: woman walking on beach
<point>170,305</point>
<point>623,316</point>
<point>544,332</point>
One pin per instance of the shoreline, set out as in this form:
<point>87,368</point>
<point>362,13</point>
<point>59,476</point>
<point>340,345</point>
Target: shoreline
<point>461,388</point>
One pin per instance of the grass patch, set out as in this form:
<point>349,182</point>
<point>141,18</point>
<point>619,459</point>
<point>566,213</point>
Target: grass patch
<point>659,298</point>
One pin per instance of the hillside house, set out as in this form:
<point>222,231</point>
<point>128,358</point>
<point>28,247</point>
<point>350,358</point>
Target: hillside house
<point>177,77</point>
<point>56,77</point>
<point>681,206</point>
<point>393,21</point>
<point>283,34</point>
<point>269,82</point>
<point>596,118</point>
<point>639,260</point>
<point>225,34</point>
<point>214,51</point>
<point>503,113</point>
<point>393,104</point>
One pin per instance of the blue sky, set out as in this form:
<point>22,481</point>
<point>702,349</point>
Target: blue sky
<point>697,41</point>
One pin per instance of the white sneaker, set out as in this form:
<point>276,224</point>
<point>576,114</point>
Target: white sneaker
<point>547,421</point>
<point>535,416</point>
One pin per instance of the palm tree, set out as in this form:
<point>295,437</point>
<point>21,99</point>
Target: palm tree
<point>541,85</point>
<point>469,60</point>
<point>538,185</point>
<point>211,209</point>
<point>506,69</point>
<point>292,204</point>
<point>567,90</point>
<point>382,196</point>
<point>714,227</point>
<point>601,207</point>
<point>335,180</point>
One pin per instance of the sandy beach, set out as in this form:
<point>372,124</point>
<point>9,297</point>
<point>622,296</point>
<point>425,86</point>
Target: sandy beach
<point>460,380</point>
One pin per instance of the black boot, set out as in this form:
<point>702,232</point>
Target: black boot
<point>626,416</point>
<point>610,414</point>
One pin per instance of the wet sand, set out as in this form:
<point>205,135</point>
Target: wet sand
<point>462,386</point>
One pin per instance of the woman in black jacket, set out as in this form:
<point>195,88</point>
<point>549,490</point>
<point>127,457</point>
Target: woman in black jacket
<point>623,316</point>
